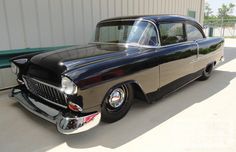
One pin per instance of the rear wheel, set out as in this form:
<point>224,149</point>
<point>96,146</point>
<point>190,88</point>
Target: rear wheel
<point>207,72</point>
<point>117,103</point>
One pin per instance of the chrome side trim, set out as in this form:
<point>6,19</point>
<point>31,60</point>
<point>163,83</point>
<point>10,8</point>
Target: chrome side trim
<point>174,44</point>
<point>126,44</point>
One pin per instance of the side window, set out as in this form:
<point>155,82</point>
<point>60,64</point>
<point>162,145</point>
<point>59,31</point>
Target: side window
<point>171,33</point>
<point>150,36</point>
<point>114,33</point>
<point>193,33</point>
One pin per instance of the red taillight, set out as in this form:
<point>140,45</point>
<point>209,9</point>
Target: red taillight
<point>89,117</point>
<point>74,107</point>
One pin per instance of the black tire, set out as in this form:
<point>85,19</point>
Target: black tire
<point>110,114</point>
<point>207,72</point>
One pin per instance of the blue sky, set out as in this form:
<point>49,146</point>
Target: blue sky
<point>215,4</point>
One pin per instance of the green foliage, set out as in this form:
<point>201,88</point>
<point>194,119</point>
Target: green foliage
<point>208,11</point>
<point>222,19</point>
<point>225,10</point>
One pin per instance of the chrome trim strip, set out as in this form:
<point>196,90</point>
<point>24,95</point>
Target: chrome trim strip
<point>185,42</point>
<point>112,20</point>
<point>144,32</point>
<point>20,81</point>
<point>126,44</point>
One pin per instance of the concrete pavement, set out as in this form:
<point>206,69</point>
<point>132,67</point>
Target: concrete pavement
<point>200,117</point>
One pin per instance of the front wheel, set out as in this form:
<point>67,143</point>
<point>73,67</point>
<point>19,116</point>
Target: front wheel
<point>117,103</point>
<point>207,72</point>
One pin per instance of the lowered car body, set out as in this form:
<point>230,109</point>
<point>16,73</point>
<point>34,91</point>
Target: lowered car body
<point>143,57</point>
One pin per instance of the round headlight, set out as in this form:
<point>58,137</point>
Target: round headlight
<point>68,86</point>
<point>14,68</point>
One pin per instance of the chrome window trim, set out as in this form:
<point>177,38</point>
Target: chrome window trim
<point>25,82</point>
<point>184,30</point>
<point>145,46</point>
<point>185,42</point>
<point>200,31</point>
<point>144,32</point>
<point>198,26</point>
<point>140,19</point>
<point>138,45</point>
<point>126,44</point>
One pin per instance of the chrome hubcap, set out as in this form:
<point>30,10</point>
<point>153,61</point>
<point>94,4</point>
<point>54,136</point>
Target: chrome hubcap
<point>117,97</point>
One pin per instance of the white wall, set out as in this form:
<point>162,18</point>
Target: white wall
<point>40,23</point>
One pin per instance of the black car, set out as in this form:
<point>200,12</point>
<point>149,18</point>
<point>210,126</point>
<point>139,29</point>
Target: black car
<point>144,57</point>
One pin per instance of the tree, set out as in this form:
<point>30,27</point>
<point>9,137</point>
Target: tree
<point>208,11</point>
<point>209,18</point>
<point>224,12</point>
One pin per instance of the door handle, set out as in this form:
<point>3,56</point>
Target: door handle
<point>197,48</point>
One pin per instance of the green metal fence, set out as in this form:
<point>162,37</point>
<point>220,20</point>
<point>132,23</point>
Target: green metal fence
<point>220,27</point>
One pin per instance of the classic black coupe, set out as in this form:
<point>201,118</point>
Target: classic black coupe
<point>144,57</point>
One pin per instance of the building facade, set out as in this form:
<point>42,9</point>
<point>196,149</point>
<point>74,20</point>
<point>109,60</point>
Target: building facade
<point>51,23</point>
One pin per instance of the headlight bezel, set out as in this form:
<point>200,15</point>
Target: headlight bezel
<point>14,68</point>
<point>68,86</point>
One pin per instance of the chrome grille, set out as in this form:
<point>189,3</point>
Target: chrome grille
<point>48,92</point>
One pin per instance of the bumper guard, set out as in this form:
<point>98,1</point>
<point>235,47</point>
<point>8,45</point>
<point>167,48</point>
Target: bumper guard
<point>67,123</point>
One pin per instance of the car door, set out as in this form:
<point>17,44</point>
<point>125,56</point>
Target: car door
<point>176,55</point>
<point>195,34</point>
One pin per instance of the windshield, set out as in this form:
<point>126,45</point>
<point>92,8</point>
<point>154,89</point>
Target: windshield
<point>131,32</point>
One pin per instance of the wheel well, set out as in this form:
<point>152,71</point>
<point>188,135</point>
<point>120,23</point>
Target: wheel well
<point>138,92</point>
<point>214,63</point>
<point>209,67</point>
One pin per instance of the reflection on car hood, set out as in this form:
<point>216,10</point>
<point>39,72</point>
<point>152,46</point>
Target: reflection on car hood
<point>66,59</point>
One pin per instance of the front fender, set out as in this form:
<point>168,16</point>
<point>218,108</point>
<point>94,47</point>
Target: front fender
<point>147,80</point>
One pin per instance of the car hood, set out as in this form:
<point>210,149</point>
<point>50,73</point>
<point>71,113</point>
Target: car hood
<point>75,57</point>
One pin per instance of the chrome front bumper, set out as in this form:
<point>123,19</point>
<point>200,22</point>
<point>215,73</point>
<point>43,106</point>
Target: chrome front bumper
<point>66,122</point>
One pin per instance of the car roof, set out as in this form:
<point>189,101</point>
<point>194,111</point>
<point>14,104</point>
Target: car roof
<point>155,18</point>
